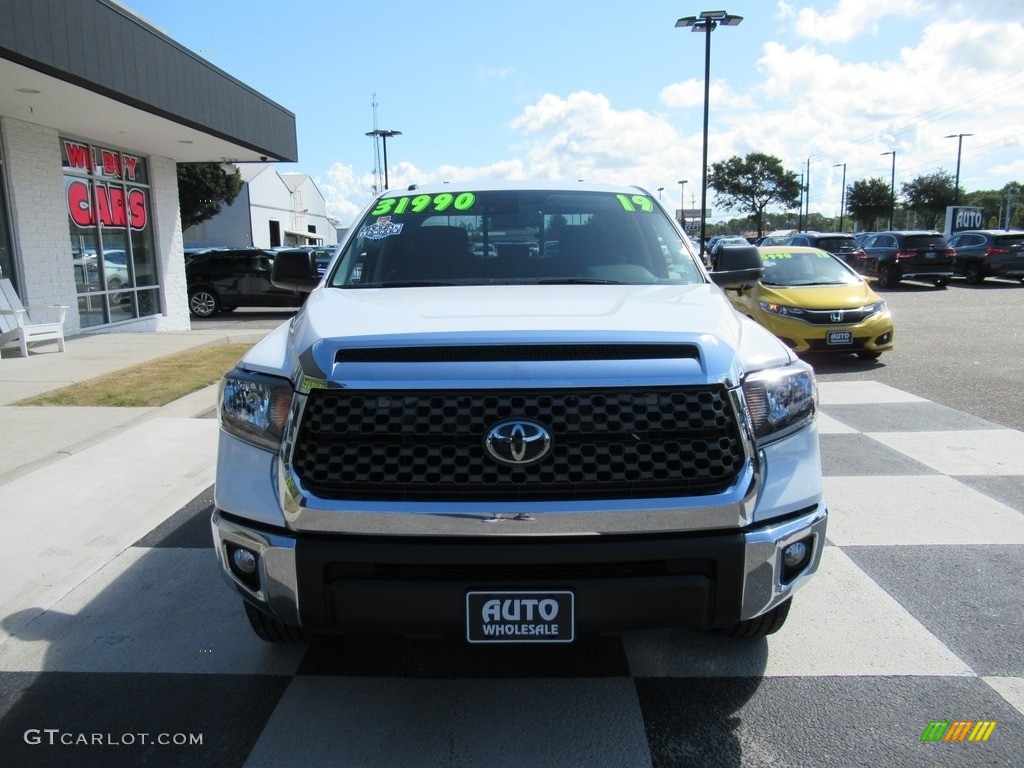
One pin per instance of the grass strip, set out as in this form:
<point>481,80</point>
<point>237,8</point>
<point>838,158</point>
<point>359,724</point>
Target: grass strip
<point>150,384</point>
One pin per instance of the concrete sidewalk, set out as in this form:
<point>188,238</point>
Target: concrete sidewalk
<point>35,436</point>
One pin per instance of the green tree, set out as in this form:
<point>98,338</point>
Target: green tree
<point>750,184</point>
<point>203,188</point>
<point>868,200</point>
<point>991,202</point>
<point>929,195</point>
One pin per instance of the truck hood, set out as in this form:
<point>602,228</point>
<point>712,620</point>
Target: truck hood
<point>333,319</point>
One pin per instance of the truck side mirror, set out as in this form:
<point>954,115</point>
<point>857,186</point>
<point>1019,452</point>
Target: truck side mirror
<point>295,271</point>
<point>737,266</point>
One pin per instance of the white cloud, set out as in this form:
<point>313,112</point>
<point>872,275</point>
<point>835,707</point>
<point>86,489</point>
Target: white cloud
<point>851,17</point>
<point>690,93</point>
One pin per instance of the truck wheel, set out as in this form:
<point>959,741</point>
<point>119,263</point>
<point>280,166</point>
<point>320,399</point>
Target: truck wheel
<point>760,626</point>
<point>270,629</point>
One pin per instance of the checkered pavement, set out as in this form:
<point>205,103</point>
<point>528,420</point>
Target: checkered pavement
<point>120,626</point>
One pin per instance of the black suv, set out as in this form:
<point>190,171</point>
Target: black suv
<point>982,253</point>
<point>220,281</point>
<point>922,255</point>
<point>839,244</point>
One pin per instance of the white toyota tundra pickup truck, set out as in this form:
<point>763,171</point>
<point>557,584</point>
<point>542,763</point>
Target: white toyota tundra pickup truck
<point>517,412</point>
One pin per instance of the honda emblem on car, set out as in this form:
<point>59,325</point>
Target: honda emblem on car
<point>518,442</point>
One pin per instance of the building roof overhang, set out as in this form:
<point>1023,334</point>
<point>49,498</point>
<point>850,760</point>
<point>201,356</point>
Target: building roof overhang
<point>148,94</point>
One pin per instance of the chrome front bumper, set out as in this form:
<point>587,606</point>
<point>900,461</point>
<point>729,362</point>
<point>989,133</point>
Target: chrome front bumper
<point>764,583</point>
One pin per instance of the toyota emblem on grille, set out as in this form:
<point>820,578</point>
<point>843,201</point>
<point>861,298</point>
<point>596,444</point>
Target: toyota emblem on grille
<point>518,442</point>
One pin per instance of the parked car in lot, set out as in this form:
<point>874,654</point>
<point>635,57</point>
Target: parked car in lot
<point>223,280</point>
<point>814,302</point>
<point>982,253</point>
<point>922,255</point>
<point>839,244</point>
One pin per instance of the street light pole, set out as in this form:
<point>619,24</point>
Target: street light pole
<point>706,23</point>
<point>682,202</point>
<point>959,146</point>
<point>892,188</point>
<point>384,136</point>
<point>842,196</point>
<point>660,189</point>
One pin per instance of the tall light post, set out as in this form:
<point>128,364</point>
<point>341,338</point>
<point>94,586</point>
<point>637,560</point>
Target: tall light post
<point>682,201</point>
<point>842,196</point>
<point>706,23</point>
<point>892,187</point>
<point>959,146</point>
<point>660,190</point>
<point>384,136</point>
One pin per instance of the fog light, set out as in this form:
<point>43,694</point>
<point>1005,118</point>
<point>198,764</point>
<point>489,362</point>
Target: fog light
<point>245,561</point>
<point>792,555</point>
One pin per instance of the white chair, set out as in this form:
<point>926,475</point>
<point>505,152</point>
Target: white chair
<point>16,326</point>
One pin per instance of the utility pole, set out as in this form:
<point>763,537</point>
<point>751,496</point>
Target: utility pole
<point>808,192</point>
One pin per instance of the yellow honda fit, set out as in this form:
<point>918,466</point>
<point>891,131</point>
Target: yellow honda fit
<point>815,303</point>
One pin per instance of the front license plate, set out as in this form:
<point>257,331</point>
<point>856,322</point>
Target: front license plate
<point>839,337</point>
<point>520,617</point>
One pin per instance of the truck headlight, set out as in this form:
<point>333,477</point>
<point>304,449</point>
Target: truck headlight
<point>780,400</point>
<point>254,407</point>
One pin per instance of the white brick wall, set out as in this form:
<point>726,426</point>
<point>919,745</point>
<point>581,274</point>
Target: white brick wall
<point>40,217</point>
<point>42,239</point>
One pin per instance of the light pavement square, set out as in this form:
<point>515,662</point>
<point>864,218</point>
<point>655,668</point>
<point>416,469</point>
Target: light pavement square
<point>920,509</point>
<point>72,516</point>
<point>855,392</point>
<point>494,723</point>
<point>974,452</point>
<point>841,623</point>
<point>148,611</point>
<point>1010,688</point>
<point>829,426</point>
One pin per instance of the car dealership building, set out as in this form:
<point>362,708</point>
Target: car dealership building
<point>97,106</point>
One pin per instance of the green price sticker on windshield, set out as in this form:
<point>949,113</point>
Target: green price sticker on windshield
<point>634,202</point>
<point>424,204</point>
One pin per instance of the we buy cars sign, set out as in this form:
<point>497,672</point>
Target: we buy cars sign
<point>113,206</point>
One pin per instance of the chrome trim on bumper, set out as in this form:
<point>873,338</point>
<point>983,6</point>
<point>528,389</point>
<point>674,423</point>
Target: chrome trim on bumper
<point>763,588</point>
<point>278,592</point>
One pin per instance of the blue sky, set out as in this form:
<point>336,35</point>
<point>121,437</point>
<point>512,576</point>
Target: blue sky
<point>612,91</point>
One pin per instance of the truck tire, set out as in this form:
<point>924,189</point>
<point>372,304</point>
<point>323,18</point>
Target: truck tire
<point>760,626</point>
<point>272,630</point>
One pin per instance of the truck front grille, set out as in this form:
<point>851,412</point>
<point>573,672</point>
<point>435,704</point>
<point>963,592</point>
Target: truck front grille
<point>425,445</point>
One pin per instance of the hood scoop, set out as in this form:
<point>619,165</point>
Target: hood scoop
<point>478,353</point>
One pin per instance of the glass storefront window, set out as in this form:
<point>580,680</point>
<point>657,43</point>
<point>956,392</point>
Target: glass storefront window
<point>110,222</point>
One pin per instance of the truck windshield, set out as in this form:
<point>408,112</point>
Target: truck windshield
<point>469,237</point>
